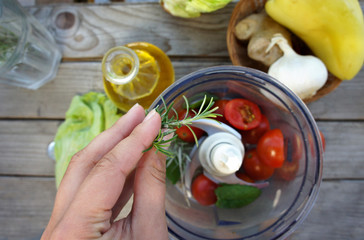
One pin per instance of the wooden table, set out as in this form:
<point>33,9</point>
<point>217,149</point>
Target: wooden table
<point>29,119</point>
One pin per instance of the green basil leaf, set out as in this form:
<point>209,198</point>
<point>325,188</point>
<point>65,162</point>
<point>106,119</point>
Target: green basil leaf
<point>196,100</point>
<point>235,195</point>
<point>172,172</point>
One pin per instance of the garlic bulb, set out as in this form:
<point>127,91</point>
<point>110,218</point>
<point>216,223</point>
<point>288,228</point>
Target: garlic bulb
<point>304,75</point>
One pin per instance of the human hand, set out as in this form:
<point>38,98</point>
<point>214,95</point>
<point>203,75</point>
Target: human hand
<point>101,178</point>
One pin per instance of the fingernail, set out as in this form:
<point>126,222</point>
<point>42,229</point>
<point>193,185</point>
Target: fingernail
<point>150,115</point>
<point>135,106</point>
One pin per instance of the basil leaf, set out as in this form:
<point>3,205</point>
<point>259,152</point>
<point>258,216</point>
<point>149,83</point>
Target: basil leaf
<point>235,195</point>
<point>196,100</point>
<point>172,172</point>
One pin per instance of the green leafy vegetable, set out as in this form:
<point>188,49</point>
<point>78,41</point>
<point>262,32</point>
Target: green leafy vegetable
<point>192,8</point>
<point>87,116</point>
<point>196,100</point>
<point>235,195</point>
<point>172,172</point>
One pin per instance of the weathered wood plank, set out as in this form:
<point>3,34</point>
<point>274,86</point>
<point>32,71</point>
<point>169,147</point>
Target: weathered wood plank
<point>344,155</point>
<point>345,102</point>
<point>52,100</point>
<point>25,206</point>
<point>106,26</point>
<point>337,213</point>
<point>23,148</point>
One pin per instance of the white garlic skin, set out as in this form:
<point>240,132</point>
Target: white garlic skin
<point>304,75</point>
<point>305,80</point>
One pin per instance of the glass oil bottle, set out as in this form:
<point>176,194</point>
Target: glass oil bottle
<point>136,73</point>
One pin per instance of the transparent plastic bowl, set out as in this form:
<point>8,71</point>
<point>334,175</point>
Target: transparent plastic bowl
<point>285,203</point>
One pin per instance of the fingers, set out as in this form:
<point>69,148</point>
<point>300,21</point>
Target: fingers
<point>147,219</point>
<point>124,196</point>
<point>103,186</point>
<point>82,163</point>
<point>149,196</point>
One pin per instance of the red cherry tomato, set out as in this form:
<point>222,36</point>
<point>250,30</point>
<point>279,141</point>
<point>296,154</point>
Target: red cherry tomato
<point>289,170</point>
<point>270,148</point>
<point>252,136</point>
<point>255,168</point>
<point>242,114</point>
<point>203,190</point>
<point>296,146</point>
<point>244,177</point>
<point>221,103</point>
<point>184,132</point>
<point>293,149</point>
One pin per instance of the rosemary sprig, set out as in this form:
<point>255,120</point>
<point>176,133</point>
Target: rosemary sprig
<point>170,121</point>
<point>176,165</point>
<point>176,150</point>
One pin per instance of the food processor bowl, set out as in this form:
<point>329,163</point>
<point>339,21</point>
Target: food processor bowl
<point>293,188</point>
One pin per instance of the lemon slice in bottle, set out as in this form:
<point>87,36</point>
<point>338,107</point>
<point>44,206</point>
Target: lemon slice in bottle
<point>134,73</point>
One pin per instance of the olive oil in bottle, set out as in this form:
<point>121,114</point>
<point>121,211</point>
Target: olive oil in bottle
<point>136,73</point>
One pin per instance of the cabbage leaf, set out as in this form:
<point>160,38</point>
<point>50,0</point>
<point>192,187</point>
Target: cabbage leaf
<point>192,8</point>
<point>87,116</point>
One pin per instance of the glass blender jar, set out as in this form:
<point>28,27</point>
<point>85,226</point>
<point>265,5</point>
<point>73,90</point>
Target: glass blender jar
<point>288,199</point>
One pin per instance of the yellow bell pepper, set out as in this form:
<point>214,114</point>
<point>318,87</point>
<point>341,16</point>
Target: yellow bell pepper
<point>332,29</point>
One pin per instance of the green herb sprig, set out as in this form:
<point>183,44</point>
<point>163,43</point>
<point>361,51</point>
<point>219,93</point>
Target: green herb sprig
<point>176,150</point>
<point>171,121</point>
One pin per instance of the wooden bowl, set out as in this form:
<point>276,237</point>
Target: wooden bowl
<point>238,49</point>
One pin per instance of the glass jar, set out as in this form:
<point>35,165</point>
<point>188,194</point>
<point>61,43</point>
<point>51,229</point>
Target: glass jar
<point>29,55</point>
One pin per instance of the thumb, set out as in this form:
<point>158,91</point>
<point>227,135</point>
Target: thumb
<point>149,196</point>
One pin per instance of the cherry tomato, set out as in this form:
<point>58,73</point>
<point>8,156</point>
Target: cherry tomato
<point>203,190</point>
<point>289,170</point>
<point>184,132</point>
<point>293,149</point>
<point>244,177</point>
<point>252,136</point>
<point>255,168</point>
<point>270,148</point>
<point>221,104</point>
<point>242,114</point>
<point>296,146</point>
